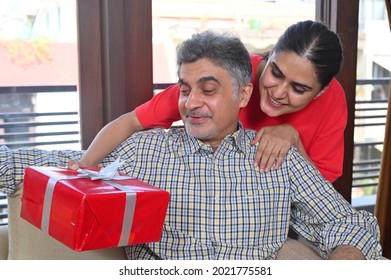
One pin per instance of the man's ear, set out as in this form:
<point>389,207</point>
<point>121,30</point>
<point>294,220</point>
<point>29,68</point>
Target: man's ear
<point>245,94</point>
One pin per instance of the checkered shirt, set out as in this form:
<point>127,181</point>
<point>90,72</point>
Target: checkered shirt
<point>221,207</point>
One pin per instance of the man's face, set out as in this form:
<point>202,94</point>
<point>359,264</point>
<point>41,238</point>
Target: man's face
<point>206,103</point>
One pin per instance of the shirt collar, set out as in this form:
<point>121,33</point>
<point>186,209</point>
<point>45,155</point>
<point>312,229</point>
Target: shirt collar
<point>237,139</point>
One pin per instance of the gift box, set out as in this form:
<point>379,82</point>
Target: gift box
<point>87,214</point>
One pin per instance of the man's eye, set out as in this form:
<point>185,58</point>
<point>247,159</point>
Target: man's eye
<point>184,91</point>
<point>208,91</point>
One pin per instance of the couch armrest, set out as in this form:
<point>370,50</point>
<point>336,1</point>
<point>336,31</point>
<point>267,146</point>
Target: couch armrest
<point>3,242</point>
<point>297,250</point>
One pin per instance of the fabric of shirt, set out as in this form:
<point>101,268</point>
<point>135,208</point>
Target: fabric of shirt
<point>14,161</point>
<point>220,206</point>
<point>320,124</point>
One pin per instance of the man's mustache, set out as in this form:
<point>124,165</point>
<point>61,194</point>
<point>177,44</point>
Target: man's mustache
<point>198,113</point>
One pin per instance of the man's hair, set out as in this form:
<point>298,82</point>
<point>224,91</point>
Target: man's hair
<point>223,49</point>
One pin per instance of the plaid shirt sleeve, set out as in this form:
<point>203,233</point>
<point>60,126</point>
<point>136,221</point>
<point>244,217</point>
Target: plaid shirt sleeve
<point>14,161</point>
<point>325,218</point>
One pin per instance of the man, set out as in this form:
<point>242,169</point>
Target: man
<point>221,207</point>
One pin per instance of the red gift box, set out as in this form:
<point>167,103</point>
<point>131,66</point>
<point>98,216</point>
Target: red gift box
<point>87,214</point>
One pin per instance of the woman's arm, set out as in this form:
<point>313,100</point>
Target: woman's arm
<point>160,111</point>
<point>108,138</point>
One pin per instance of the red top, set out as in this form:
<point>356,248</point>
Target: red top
<point>321,123</point>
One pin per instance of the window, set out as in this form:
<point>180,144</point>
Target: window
<point>258,23</point>
<point>372,92</point>
<point>38,92</point>
<point>39,101</point>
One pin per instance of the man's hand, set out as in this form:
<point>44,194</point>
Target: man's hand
<point>346,252</point>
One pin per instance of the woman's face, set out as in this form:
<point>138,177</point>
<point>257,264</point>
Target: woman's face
<point>287,84</point>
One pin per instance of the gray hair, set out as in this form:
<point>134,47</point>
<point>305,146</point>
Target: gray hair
<point>223,49</point>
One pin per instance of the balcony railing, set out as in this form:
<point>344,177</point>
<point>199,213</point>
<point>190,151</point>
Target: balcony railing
<point>24,124</point>
<point>27,127</point>
<point>370,120</point>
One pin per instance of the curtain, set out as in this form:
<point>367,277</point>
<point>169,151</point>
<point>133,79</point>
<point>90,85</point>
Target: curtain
<point>383,200</point>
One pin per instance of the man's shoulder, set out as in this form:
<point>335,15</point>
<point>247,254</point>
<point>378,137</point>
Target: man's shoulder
<point>247,135</point>
<point>159,133</point>
<point>249,132</point>
<point>160,140</point>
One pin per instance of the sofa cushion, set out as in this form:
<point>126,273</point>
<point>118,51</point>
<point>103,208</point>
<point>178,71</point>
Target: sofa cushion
<point>3,242</point>
<point>297,250</point>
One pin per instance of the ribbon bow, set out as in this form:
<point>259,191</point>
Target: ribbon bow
<point>110,172</point>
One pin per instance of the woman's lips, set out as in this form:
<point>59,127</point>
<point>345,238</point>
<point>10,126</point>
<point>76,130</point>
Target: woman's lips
<point>273,103</point>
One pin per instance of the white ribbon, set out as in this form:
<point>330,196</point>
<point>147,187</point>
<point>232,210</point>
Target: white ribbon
<point>47,202</point>
<point>130,205</point>
<point>110,172</point>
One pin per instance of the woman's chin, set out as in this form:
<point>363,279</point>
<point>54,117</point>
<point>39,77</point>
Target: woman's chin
<point>271,111</point>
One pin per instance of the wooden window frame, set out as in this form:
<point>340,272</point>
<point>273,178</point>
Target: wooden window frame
<point>342,17</point>
<point>115,60</point>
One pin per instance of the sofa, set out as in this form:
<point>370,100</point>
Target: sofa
<point>20,240</point>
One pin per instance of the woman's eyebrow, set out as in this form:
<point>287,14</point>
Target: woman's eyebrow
<point>278,69</point>
<point>295,83</point>
<point>302,85</point>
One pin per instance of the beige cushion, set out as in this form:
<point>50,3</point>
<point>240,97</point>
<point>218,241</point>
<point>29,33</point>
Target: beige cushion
<point>3,242</point>
<point>29,243</point>
<point>296,250</point>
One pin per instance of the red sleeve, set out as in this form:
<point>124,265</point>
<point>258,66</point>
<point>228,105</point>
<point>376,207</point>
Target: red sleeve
<point>327,151</point>
<point>162,110</point>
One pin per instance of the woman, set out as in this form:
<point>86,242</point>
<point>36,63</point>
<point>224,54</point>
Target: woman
<point>296,101</point>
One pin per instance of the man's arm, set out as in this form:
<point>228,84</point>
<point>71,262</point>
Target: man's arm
<point>108,138</point>
<point>346,252</point>
<point>14,161</point>
<point>326,219</point>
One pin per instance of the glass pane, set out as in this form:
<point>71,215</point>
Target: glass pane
<point>258,23</point>
<point>372,92</point>
<point>38,84</point>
